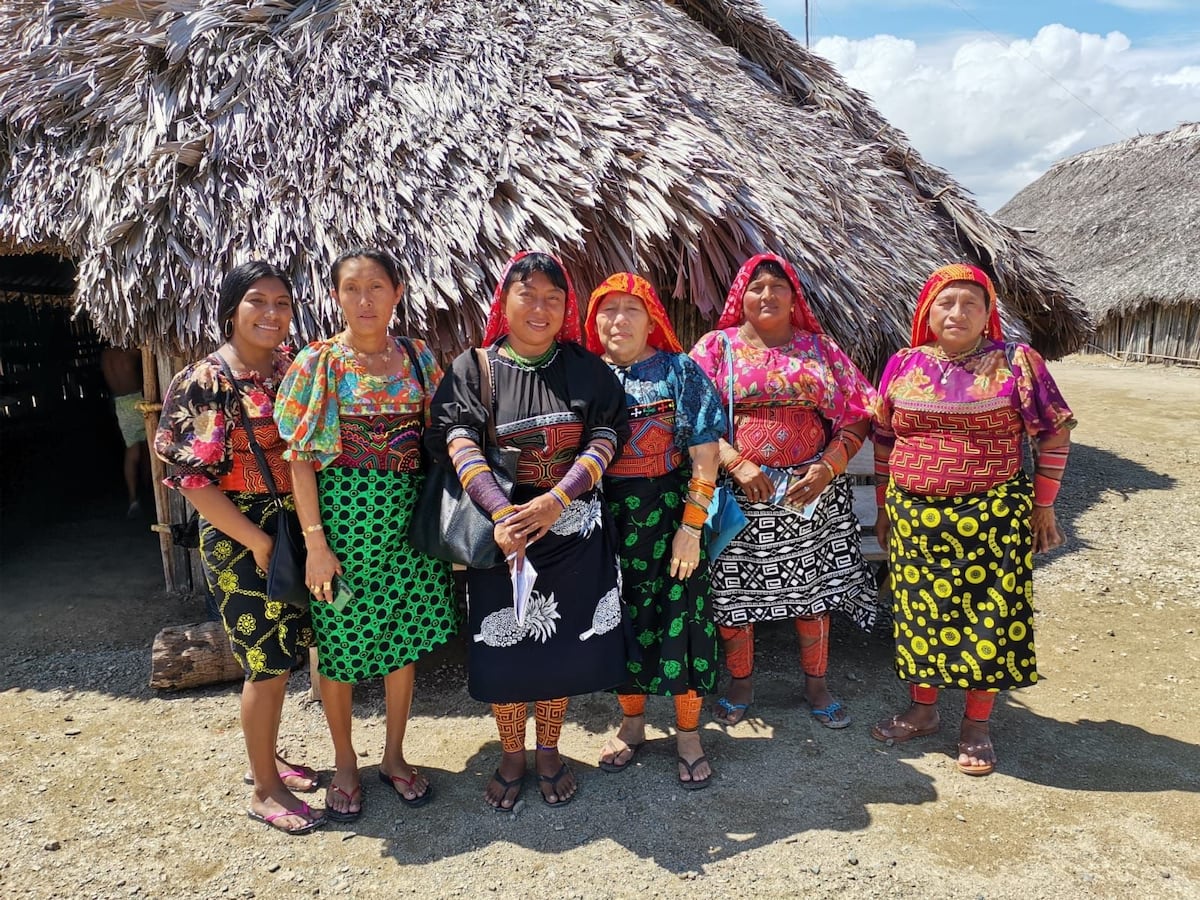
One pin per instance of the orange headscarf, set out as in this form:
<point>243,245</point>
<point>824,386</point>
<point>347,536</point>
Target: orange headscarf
<point>735,314</point>
<point>939,281</point>
<point>662,335</point>
<point>497,322</point>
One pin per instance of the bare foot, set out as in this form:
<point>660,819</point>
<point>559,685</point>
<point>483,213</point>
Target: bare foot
<point>620,749</point>
<point>687,746</point>
<point>733,706</point>
<point>976,755</point>
<point>344,795</point>
<point>512,770</point>
<point>556,781</point>
<point>919,719</point>
<point>295,777</point>
<point>284,811</point>
<point>826,710</point>
<point>407,781</point>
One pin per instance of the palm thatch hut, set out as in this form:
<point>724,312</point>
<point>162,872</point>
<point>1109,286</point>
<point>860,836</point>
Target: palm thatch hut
<point>1122,222</point>
<point>154,142</point>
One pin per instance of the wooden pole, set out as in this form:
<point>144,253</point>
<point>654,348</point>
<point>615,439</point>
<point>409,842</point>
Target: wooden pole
<point>152,404</point>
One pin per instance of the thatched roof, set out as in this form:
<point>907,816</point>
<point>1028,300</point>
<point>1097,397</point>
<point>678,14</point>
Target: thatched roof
<point>1122,222</point>
<point>156,141</point>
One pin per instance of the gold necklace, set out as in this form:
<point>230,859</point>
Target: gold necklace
<point>946,360</point>
<point>363,356</point>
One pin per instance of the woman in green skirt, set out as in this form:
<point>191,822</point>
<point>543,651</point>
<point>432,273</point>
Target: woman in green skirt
<point>352,410</point>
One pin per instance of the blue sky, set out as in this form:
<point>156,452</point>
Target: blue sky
<point>1037,81</point>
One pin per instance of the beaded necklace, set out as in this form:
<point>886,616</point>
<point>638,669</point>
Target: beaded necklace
<point>946,360</point>
<point>528,363</point>
<point>362,356</point>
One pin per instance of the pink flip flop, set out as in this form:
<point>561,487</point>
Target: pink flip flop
<point>312,822</point>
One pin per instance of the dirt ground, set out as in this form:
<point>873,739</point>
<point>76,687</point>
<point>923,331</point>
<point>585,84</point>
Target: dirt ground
<point>115,790</point>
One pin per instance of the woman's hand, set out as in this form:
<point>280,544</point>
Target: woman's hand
<point>320,568</point>
<point>511,542</point>
<point>808,488</point>
<point>1044,525</point>
<point>261,549</point>
<point>883,529</point>
<point>685,554</point>
<point>533,519</point>
<point>754,484</point>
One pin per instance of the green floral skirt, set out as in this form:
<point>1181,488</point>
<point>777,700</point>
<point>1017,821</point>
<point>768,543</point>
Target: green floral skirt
<point>267,637</point>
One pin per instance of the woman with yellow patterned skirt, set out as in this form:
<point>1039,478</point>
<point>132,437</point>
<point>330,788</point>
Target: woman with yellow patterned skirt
<point>202,431</point>
<point>959,516</point>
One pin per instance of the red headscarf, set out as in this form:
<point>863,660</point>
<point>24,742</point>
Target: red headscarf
<point>497,322</point>
<point>939,281</point>
<point>734,314</point>
<point>662,335</point>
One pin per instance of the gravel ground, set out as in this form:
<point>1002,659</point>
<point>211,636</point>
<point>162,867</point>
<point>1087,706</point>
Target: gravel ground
<point>120,791</point>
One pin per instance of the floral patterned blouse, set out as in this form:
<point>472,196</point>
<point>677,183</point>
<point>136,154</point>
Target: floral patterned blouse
<point>201,430</point>
<point>331,411</point>
<point>954,426</point>
<point>783,395</point>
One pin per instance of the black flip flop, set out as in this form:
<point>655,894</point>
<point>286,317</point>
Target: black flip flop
<point>621,767</point>
<point>692,784</point>
<point>338,815</point>
<point>518,783</point>
<point>390,781</point>
<point>553,781</point>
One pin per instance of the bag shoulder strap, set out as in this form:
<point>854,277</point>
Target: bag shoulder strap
<point>485,393</point>
<point>259,456</point>
<point>415,360</point>
<point>729,365</point>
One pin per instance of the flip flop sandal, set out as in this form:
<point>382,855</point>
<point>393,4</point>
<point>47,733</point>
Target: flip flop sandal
<point>972,749</point>
<point>390,781</point>
<point>907,731</point>
<point>518,783</point>
<point>304,812</point>
<point>553,781</point>
<point>310,775</point>
<point>827,715</point>
<point>338,815</point>
<point>692,784</point>
<point>730,709</point>
<point>621,767</point>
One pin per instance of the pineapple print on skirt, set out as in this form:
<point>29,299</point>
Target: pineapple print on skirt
<point>575,636</point>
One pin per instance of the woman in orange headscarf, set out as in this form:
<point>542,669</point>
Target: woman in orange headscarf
<point>959,516</point>
<point>801,411</point>
<point>564,411</point>
<point>659,493</point>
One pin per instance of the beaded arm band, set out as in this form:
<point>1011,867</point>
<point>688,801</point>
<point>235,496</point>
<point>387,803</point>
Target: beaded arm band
<point>1047,477</point>
<point>477,480</point>
<point>883,472</point>
<point>840,450</point>
<point>586,472</point>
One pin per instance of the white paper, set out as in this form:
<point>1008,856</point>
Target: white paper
<point>523,577</point>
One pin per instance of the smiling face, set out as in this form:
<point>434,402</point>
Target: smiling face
<point>623,325</point>
<point>767,304</point>
<point>367,296</point>
<point>534,308</point>
<point>958,316</point>
<point>262,317</point>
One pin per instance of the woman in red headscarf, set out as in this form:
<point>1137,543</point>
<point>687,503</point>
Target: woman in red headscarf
<point>963,519</point>
<point>801,411</point>
<point>659,493</point>
<point>564,410</point>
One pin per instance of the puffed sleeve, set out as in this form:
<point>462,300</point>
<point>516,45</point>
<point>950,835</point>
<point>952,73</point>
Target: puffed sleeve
<point>881,428</point>
<point>456,409</point>
<point>849,397</point>
<point>1038,398</point>
<point>431,374</point>
<point>699,413</point>
<point>709,355</point>
<point>198,412</point>
<point>602,405</point>
<point>306,408</point>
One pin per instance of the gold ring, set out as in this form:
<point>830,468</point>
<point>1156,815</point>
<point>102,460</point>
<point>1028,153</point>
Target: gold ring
<point>326,586</point>
<point>676,560</point>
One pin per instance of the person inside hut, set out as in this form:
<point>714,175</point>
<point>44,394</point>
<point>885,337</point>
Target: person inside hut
<point>801,411</point>
<point>207,410</point>
<point>352,410</point>
<point>959,516</point>
<point>659,493</point>
<point>122,371</point>
<point>564,410</point>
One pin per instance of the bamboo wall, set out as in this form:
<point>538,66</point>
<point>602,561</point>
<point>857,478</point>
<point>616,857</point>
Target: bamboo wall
<point>1155,333</point>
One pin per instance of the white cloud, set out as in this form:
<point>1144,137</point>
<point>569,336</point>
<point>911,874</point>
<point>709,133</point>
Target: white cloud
<point>1148,5</point>
<point>996,113</point>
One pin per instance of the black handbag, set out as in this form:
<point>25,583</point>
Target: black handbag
<point>446,523</point>
<point>285,575</point>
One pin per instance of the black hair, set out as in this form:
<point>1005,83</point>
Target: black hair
<point>771,267</point>
<point>238,281</point>
<point>375,254</point>
<point>536,262</point>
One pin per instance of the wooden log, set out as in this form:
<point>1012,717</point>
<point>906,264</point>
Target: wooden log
<point>187,656</point>
<point>150,410</point>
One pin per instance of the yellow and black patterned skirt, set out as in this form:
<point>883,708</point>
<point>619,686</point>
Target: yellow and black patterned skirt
<point>962,583</point>
<point>267,637</point>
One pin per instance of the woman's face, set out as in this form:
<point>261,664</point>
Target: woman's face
<point>768,303</point>
<point>959,315</point>
<point>262,318</point>
<point>367,296</point>
<point>535,308</point>
<point>624,328</point>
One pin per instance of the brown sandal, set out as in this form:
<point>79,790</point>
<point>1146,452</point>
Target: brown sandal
<point>898,731</point>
